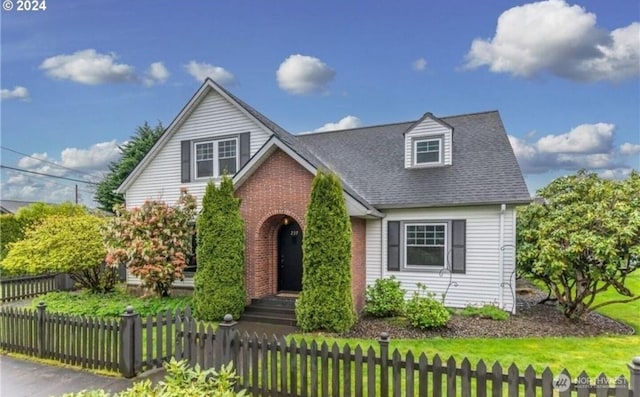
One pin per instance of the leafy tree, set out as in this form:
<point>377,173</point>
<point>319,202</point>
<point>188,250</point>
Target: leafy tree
<point>325,301</point>
<point>583,239</point>
<point>11,230</point>
<point>132,153</point>
<point>64,244</point>
<point>219,281</point>
<point>14,226</point>
<point>153,241</point>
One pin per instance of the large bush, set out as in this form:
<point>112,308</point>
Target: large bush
<point>64,244</point>
<point>423,311</point>
<point>153,241</point>
<point>581,239</point>
<point>13,227</point>
<point>325,301</point>
<point>385,298</point>
<point>219,280</point>
<point>11,230</point>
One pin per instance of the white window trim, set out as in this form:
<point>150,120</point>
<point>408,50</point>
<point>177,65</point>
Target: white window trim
<point>216,154</point>
<point>414,151</point>
<point>404,245</point>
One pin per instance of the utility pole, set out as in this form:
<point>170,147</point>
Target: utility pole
<point>76,193</point>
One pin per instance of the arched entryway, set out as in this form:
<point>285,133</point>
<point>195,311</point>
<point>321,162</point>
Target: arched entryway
<point>290,257</point>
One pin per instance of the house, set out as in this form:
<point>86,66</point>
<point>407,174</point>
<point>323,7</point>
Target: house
<point>431,200</point>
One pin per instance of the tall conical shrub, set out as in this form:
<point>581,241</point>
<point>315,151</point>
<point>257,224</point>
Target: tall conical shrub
<point>219,280</point>
<point>326,301</point>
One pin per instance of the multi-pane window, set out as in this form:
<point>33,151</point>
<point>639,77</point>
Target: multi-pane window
<point>215,158</point>
<point>425,244</point>
<point>227,156</point>
<point>427,151</point>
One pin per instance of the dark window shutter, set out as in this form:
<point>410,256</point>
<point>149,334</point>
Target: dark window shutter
<point>245,148</point>
<point>393,246</point>
<point>458,246</point>
<point>185,161</point>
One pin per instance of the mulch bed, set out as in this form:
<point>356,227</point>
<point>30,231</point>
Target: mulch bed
<point>531,320</point>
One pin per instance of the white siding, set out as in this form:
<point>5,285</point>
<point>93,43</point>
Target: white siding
<point>213,117</point>
<point>374,250</point>
<point>428,127</point>
<point>187,282</point>
<point>481,283</point>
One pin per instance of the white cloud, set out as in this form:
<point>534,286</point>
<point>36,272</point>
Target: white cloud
<point>88,164</point>
<point>419,64</point>
<point>200,71</point>
<point>95,158</point>
<point>156,74</point>
<point>92,68</point>
<point>585,138</point>
<point>561,39</point>
<point>616,173</point>
<point>343,124</point>
<point>587,146</point>
<point>88,67</point>
<point>629,148</point>
<point>18,92</point>
<point>302,74</point>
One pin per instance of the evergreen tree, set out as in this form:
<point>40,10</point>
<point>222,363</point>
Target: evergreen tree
<point>219,280</point>
<point>326,301</point>
<point>132,153</point>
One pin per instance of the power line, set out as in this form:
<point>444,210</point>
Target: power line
<point>45,161</point>
<point>47,175</point>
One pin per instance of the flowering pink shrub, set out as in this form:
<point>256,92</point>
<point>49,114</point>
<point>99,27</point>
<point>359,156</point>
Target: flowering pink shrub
<point>153,241</point>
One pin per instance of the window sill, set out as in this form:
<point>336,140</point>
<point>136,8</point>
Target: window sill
<point>422,269</point>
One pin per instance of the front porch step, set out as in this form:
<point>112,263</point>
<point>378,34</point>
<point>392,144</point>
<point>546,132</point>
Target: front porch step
<point>272,310</point>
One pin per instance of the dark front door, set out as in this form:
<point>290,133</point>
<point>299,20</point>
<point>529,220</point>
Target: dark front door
<point>290,257</point>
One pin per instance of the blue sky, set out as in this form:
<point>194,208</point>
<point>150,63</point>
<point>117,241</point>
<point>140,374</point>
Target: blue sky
<point>79,77</point>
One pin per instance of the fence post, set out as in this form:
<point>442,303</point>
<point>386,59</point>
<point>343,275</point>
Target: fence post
<point>224,335</point>
<point>42,337</point>
<point>130,343</point>
<point>384,364</point>
<point>634,375</point>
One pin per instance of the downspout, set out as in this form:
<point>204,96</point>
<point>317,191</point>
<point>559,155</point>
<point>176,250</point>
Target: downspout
<point>503,208</point>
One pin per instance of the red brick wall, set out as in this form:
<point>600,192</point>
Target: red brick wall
<point>358,262</point>
<point>279,188</point>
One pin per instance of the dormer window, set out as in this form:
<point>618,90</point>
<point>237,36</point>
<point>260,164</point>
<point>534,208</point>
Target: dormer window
<point>427,151</point>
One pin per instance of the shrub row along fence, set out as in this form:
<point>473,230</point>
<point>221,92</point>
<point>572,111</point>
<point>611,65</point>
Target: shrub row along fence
<point>25,287</point>
<point>271,366</point>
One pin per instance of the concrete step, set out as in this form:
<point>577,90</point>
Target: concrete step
<point>269,319</point>
<point>271,310</point>
<point>274,302</point>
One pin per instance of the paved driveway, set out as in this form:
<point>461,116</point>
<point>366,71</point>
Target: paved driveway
<point>20,378</point>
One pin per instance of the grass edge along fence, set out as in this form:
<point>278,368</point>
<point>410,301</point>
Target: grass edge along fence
<point>271,366</point>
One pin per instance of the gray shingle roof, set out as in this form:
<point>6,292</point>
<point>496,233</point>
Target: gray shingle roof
<point>371,161</point>
<point>291,141</point>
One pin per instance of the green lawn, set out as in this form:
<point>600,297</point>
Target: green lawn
<point>627,313</point>
<point>608,354</point>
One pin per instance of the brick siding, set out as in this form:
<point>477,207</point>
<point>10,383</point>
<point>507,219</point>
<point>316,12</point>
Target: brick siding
<point>279,188</point>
